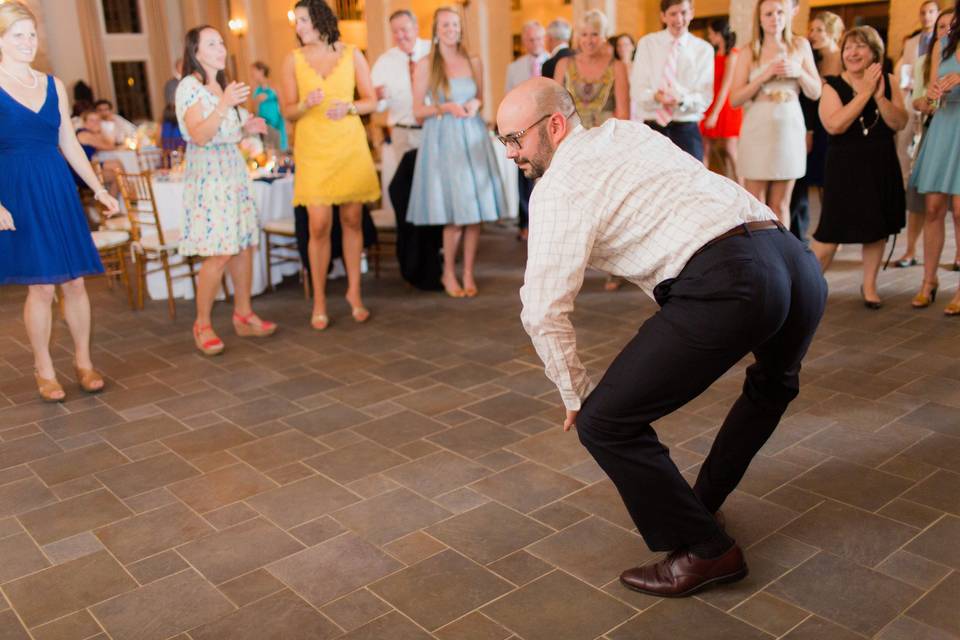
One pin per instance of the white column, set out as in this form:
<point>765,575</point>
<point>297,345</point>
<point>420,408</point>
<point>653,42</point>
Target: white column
<point>488,38</point>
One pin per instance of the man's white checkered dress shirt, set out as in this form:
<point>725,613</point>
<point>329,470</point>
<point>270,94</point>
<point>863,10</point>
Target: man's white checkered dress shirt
<point>623,199</point>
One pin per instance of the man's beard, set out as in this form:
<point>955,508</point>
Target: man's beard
<point>540,161</point>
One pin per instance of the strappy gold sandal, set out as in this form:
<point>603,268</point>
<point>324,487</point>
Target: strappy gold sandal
<point>89,380</point>
<point>49,390</point>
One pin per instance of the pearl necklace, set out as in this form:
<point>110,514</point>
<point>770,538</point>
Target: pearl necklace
<point>21,82</point>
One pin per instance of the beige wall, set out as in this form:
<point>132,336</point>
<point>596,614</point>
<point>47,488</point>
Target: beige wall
<point>903,20</point>
<point>60,38</point>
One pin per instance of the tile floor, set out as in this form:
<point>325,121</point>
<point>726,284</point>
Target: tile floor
<point>408,479</point>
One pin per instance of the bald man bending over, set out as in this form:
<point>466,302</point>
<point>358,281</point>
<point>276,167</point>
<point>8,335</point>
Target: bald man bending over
<point>729,281</point>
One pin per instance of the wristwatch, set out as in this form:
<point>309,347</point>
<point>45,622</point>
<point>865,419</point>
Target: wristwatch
<point>353,110</point>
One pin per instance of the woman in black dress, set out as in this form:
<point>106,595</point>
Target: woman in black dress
<point>863,197</point>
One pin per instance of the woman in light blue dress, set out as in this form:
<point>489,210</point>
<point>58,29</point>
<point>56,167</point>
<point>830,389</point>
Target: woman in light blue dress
<point>936,173</point>
<point>456,182</point>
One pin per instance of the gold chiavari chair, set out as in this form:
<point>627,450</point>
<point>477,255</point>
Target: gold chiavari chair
<point>386,245</point>
<point>112,240</point>
<point>157,159</point>
<point>154,249</point>
<point>282,252</point>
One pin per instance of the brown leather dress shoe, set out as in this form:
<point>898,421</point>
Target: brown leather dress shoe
<point>683,574</point>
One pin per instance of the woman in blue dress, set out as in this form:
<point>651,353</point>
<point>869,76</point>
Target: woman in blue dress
<point>456,182</point>
<point>44,237</point>
<point>936,173</point>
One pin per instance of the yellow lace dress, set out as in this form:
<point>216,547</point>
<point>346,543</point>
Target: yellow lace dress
<point>333,161</point>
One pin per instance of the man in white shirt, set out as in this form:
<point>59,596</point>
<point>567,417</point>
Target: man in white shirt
<point>530,64</point>
<point>671,85</point>
<point>113,124</point>
<point>392,76</point>
<point>558,45</point>
<point>520,70</point>
<point>729,279</point>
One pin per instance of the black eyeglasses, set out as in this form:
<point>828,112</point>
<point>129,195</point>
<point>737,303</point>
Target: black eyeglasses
<point>514,140</point>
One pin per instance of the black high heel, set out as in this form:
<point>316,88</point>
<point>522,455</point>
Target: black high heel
<point>870,304</point>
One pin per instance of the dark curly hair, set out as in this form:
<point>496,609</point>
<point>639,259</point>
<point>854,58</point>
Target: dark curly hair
<point>323,19</point>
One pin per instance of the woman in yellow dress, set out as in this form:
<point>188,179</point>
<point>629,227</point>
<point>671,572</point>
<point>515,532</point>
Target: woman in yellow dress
<point>333,161</point>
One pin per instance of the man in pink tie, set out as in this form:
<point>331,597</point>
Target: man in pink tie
<point>671,84</point>
<point>520,70</point>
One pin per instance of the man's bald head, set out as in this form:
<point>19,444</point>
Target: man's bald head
<point>534,119</point>
<point>530,100</point>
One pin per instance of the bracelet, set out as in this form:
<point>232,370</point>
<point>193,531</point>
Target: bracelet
<point>96,194</point>
<point>220,113</point>
<point>352,109</point>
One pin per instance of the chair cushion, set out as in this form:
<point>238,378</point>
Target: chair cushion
<point>281,227</point>
<point>109,239</point>
<point>151,242</point>
<point>115,223</point>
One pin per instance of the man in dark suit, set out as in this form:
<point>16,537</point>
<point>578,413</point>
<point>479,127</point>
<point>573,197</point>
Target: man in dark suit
<point>558,44</point>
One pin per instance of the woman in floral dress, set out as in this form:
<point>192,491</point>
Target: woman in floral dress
<point>220,217</point>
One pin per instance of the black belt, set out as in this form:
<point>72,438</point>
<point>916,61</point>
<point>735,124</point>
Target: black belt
<point>743,229</point>
<point>672,123</point>
<point>407,126</point>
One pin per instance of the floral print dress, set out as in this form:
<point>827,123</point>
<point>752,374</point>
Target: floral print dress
<point>219,212</point>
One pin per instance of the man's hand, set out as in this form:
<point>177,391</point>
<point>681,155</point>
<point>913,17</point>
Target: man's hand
<point>571,420</point>
<point>665,98</point>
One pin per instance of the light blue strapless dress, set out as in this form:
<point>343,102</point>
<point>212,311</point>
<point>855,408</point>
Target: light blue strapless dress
<point>937,169</point>
<point>456,179</point>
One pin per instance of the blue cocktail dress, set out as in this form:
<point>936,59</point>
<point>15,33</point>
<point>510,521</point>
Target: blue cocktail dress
<point>52,242</point>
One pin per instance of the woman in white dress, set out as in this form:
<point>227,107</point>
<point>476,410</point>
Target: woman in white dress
<point>768,81</point>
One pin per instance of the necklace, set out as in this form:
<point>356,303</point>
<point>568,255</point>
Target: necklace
<point>21,82</point>
<point>864,128</point>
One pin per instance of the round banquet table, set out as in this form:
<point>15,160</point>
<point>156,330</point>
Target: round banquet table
<point>274,202</point>
<point>126,157</point>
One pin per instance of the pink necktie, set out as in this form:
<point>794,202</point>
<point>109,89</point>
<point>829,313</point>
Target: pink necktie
<point>665,114</point>
<point>535,67</point>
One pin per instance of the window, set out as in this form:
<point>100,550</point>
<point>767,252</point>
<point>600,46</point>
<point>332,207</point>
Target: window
<point>130,87</point>
<point>122,16</point>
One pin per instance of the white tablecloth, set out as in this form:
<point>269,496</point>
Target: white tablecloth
<point>508,171</point>
<point>274,202</point>
<point>127,157</point>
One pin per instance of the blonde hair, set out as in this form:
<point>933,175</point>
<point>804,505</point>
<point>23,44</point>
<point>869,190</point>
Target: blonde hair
<point>439,83</point>
<point>12,12</point>
<point>866,35</point>
<point>788,39</point>
<point>596,19</point>
<point>832,24</point>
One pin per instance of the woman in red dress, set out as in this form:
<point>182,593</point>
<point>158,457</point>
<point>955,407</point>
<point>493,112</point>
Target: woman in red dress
<point>721,125</point>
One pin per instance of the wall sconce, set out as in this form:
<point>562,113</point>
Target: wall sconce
<point>237,26</point>
<point>291,17</point>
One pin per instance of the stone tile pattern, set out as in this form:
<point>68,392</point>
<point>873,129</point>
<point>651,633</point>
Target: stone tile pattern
<point>408,478</point>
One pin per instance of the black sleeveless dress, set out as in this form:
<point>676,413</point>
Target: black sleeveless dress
<point>863,195</point>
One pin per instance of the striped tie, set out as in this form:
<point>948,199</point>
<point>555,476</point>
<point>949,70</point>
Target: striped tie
<point>665,113</point>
